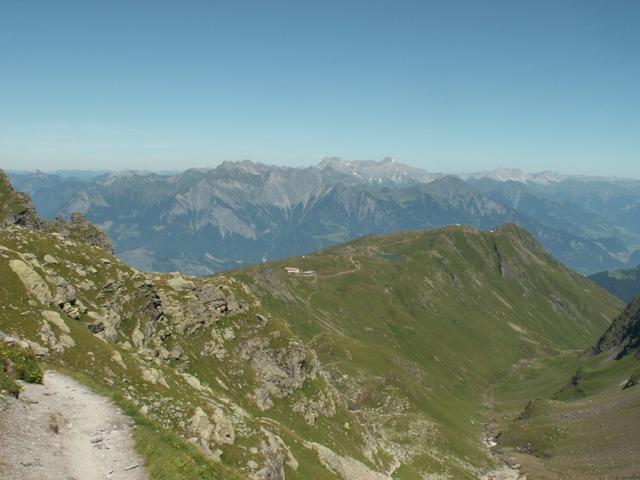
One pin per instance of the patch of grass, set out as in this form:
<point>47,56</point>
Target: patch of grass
<point>17,364</point>
<point>8,385</point>
<point>20,363</point>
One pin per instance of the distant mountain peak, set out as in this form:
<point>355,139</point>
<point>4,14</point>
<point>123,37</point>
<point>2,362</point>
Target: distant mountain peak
<point>386,171</point>
<point>120,175</point>
<point>505,174</point>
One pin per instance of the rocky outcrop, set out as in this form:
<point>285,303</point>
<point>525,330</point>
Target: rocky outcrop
<point>66,298</point>
<point>623,335</point>
<point>154,377</point>
<point>58,343</point>
<point>79,229</point>
<point>323,404</point>
<point>279,371</point>
<point>346,468</point>
<point>633,380</point>
<point>104,324</point>
<point>34,284</point>
<point>16,207</point>
<point>211,430</point>
<point>203,307</point>
<point>276,456</point>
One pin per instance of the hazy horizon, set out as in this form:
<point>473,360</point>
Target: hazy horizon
<point>177,171</point>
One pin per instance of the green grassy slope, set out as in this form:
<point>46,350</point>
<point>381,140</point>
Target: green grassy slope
<point>584,423</point>
<point>416,328</point>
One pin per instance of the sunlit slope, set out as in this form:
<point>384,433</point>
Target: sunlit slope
<point>416,326</point>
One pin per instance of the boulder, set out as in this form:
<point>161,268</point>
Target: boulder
<point>154,376</point>
<point>180,284</point>
<point>32,281</point>
<point>37,349</point>
<point>105,324</point>
<point>346,468</point>
<point>213,429</point>
<point>56,319</point>
<point>50,260</point>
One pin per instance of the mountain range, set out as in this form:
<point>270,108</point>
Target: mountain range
<point>205,220</point>
<point>624,284</point>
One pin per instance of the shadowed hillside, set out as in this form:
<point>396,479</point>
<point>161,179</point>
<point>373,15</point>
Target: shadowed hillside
<point>624,284</point>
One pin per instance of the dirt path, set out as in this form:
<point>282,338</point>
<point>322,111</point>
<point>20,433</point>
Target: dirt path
<point>63,431</point>
<point>356,268</point>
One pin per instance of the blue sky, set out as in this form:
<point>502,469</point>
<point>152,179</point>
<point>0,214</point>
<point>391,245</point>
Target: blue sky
<point>444,85</point>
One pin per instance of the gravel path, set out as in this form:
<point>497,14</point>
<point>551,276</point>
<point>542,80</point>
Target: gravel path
<point>61,430</point>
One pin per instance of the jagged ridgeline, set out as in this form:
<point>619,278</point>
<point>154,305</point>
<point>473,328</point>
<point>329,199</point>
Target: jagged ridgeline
<point>371,360</point>
<point>241,213</point>
<point>16,209</point>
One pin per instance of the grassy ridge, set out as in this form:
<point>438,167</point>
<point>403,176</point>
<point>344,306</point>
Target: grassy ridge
<point>439,316</point>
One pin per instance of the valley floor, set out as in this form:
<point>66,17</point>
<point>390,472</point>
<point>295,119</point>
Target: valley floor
<point>62,430</point>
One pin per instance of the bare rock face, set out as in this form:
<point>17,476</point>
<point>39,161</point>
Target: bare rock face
<point>65,293</point>
<point>273,468</point>
<point>105,324</point>
<point>154,377</point>
<point>58,343</point>
<point>205,306</point>
<point>180,284</point>
<point>323,404</point>
<point>16,207</point>
<point>66,298</point>
<point>623,335</point>
<point>32,281</point>
<point>79,229</point>
<point>211,430</point>
<point>276,455</point>
<point>346,468</point>
<point>279,371</point>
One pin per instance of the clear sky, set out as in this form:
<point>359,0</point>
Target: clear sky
<point>445,85</point>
